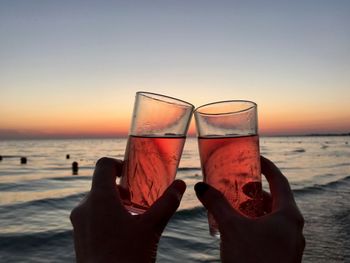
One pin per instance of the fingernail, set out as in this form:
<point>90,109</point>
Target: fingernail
<point>180,187</point>
<point>201,188</point>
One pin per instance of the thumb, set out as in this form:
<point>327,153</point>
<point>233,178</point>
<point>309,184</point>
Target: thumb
<point>215,202</point>
<point>162,210</point>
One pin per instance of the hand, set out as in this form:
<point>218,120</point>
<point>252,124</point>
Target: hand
<point>274,237</point>
<point>104,231</point>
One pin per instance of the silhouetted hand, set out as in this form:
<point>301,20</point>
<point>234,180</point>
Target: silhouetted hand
<point>274,237</point>
<point>104,231</point>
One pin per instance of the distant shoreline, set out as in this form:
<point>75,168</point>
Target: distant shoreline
<point>329,134</point>
<point>311,135</point>
<point>190,136</point>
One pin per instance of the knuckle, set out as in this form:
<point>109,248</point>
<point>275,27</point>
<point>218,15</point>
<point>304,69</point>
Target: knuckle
<point>300,221</point>
<point>303,242</point>
<point>78,213</point>
<point>103,161</point>
<point>283,179</point>
<point>218,197</point>
<point>74,214</point>
<point>226,221</point>
<point>101,194</point>
<point>295,218</point>
<point>284,214</point>
<point>173,198</point>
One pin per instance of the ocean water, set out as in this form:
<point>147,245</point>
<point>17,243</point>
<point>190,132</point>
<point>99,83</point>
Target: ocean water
<point>36,198</point>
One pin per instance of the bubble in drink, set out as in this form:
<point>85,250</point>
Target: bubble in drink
<point>150,167</point>
<point>232,165</point>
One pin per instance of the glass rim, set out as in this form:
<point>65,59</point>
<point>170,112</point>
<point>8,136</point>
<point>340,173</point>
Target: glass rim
<point>197,110</point>
<point>171,100</point>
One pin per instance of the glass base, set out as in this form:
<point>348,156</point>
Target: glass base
<point>134,209</point>
<point>214,232</point>
<point>213,226</point>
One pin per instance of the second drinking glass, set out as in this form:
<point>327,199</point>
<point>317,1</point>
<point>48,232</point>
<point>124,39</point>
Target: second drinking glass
<point>156,139</point>
<point>229,152</point>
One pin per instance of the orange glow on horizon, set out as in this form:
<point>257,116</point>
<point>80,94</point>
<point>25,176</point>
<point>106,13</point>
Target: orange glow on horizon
<point>302,123</point>
<point>69,127</point>
<point>99,124</point>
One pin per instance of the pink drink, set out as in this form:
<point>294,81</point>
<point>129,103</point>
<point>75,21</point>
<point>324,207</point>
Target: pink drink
<point>232,165</point>
<point>150,167</point>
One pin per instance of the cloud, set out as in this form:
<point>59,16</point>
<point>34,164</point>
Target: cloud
<point>6,134</point>
<point>14,134</point>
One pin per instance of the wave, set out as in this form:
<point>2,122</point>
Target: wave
<point>11,156</point>
<point>39,237</point>
<point>316,188</point>
<point>15,242</point>
<point>62,202</point>
<point>40,183</point>
<point>336,165</point>
<point>290,168</point>
<point>14,173</point>
<point>295,151</point>
<point>68,168</point>
<point>70,178</point>
<point>47,203</point>
<point>189,169</point>
<point>301,150</point>
<point>185,214</point>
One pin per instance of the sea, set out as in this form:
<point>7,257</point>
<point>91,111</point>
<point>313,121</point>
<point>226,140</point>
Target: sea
<point>36,198</point>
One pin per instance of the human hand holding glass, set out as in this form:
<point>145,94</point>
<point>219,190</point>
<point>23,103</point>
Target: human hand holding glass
<point>157,136</point>
<point>272,238</point>
<point>229,150</point>
<point>104,231</point>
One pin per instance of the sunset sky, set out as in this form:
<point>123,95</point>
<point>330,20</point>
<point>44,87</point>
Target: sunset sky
<point>71,68</point>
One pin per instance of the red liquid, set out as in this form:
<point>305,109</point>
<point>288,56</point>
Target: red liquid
<point>150,167</point>
<point>232,165</point>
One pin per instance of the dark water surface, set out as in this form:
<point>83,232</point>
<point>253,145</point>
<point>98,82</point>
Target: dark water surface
<point>36,198</point>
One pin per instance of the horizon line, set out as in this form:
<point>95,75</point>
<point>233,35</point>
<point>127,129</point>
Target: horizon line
<point>124,136</point>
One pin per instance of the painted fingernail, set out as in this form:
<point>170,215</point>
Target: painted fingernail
<point>201,188</point>
<point>180,187</point>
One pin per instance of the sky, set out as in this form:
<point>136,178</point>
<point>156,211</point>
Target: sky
<point>71,68</point>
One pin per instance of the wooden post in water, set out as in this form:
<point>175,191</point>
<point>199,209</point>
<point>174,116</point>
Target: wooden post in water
<point>75,168</point>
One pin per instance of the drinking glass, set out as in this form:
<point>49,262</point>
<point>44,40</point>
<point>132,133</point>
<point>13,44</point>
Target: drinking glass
<point>155,143</point>
<point>229,151</point>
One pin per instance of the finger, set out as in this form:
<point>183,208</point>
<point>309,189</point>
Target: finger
<point>252,208</point>
<point>253,190</point>
<point>259,196</point>
<point>267,200</point>
<point>105,174</point>
<point>282,196</point>
<point>215,202</point>
<point>161,211</point>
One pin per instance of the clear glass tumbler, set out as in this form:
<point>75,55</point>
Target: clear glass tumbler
<point>156,139</point>
<point>229,151</point>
